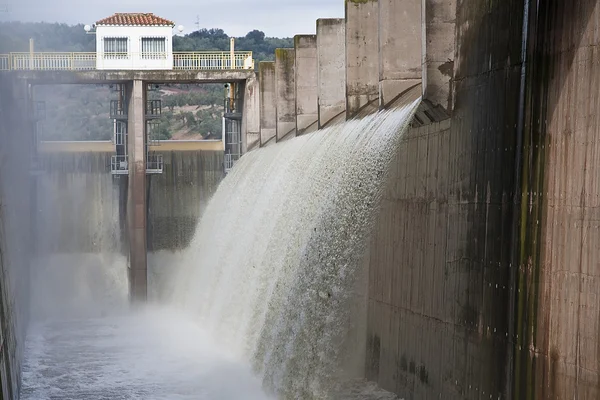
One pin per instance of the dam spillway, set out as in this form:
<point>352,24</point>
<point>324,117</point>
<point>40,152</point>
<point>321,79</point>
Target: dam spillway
<point>483,268</point>
<point>276,299</point>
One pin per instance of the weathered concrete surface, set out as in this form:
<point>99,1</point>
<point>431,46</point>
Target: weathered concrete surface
<point>362,55</point>
<point>439,46</point>
<point>107,77</point>
<point>285,88</point>
<point>307,111</point>
<point>268,101</point>
<point>331,62</point>
<point>178,196</point>
<point>136,202</point>
<point>558,314</point>
<point>17,245</point>
<point>440,271</point>
<point>79,205</point>
<point>251,115</point>
<point>400,47</point>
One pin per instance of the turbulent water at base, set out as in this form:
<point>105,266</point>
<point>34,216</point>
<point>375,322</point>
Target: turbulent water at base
<point>269,301</point>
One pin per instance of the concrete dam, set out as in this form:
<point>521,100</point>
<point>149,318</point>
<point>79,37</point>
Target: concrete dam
<point>412,218</point>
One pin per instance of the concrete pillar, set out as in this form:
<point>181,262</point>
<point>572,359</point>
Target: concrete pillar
<point>285,86</point>
<point>307,111</point>
<point>362,56</point>
<point>268,109</point>
<point>251,115</point>
<point>400,47</point>
<point>439,52</point>
<point>136,210</point>
<point>331,61</point>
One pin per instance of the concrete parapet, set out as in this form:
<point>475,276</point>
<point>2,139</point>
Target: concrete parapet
<point>268,105</point>
<point>251,115</point>
<point>136,209</point>
<point>400,47</point>
<point>362,55</point>
<point>285,86</point>
<point>331,62</point>
<point>307,111</point>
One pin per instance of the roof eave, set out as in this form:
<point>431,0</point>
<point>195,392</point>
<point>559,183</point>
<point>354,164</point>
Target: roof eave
<point>156,26</point>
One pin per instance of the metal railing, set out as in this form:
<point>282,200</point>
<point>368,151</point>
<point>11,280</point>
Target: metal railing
<point>213,60</point>
<point>205,60</point>
<point>4,62</point>
<point>119,165</point>
<point>229,161</point>
<point>153,108</point>
<point>118,109</point>
<point>154,164</point>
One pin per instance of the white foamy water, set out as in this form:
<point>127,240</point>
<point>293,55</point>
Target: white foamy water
<point>276,269</point>
<point>148,355</point>
<point>270,296</point>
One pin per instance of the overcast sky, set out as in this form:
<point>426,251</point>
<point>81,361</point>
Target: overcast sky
<point>274,17</point>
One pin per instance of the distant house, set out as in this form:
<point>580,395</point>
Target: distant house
<point>140,41</point>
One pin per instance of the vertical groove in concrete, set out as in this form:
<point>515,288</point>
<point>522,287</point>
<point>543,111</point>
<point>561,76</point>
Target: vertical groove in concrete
<point>137,210</point>
<point>285,88</point>
<point>362,55</point>
<point>400,47</point>
<point>268,105</point>
<point>307,111</point>
<point>331,61</point>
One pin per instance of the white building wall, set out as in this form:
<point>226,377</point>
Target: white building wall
<point>134,34</point>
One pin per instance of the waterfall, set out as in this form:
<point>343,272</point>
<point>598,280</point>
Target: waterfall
<point>276,269</point>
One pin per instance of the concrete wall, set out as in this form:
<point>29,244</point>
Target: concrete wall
<point>16,242</point>
<point>79,205</point>
<point>307,112</point>
<point>440,323</point>
<point>285,88</point>
<point>178,196</point>
<point>331,64</point>
<point>268,101</point>
<point>557,352</point>
<point>362,55</point>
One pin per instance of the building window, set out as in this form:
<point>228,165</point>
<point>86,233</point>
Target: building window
<point>115,48</point>
<point>154,48</point>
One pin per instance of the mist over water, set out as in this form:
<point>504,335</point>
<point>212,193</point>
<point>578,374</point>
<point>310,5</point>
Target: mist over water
<point>268,302</point>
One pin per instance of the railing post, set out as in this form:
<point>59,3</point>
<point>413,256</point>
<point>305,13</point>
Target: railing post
<point>31,53</point>
<point>232,52</point>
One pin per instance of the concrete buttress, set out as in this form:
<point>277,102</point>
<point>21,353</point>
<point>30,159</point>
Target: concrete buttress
<point>251,115</point>
<point>307,112</point>
<point>362,56</point>
<point>268,108</point>
<point>331,61</point>
<point>285,86</point>
<point>400,47</point>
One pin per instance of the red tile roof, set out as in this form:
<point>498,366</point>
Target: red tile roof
<point>135,19</point>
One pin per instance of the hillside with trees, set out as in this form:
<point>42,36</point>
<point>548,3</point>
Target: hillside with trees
<point>80,112</point>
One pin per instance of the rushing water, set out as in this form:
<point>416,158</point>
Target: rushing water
<point>270,298</point>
